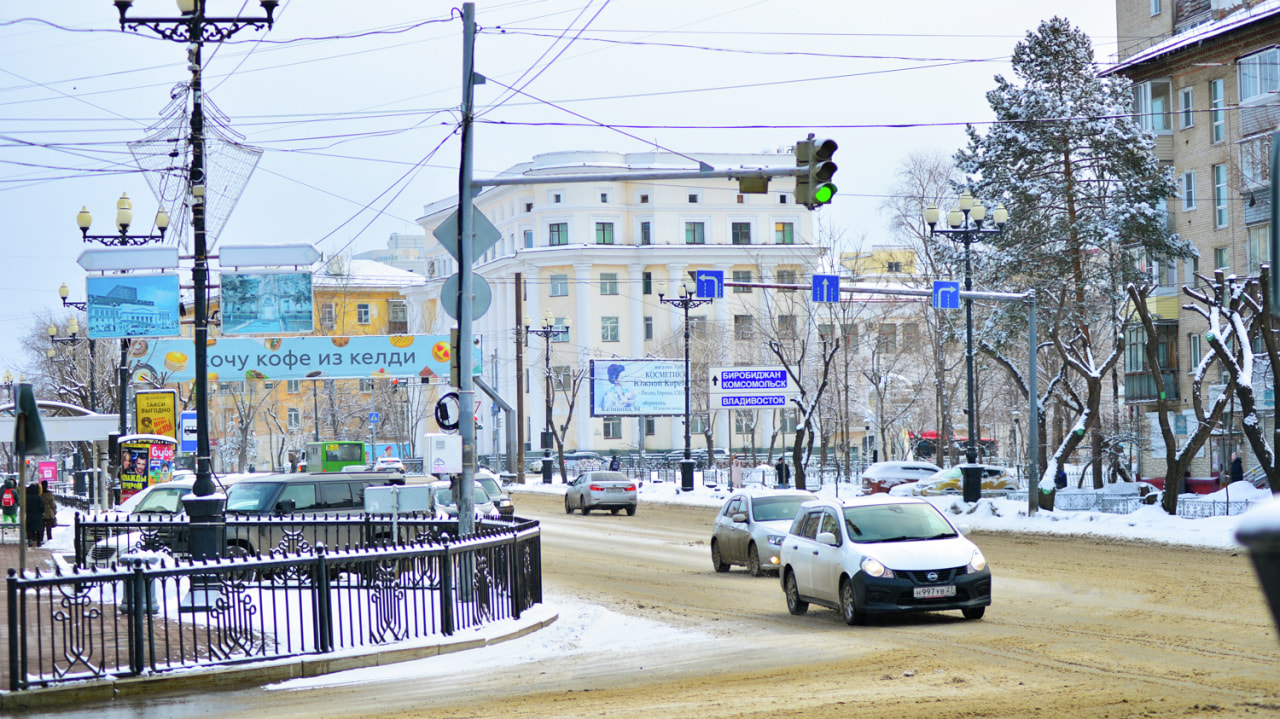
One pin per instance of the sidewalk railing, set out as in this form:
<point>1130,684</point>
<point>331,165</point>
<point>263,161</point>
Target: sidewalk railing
<point>158,615</point>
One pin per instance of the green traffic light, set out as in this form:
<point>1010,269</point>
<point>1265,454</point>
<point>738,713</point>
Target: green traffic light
<point>823,193</point>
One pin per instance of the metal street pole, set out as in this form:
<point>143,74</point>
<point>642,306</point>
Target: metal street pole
<point>685,301</point>
<point>547,331</point>
<point>463,493</point>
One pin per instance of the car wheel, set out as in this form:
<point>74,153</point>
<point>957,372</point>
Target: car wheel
<point>849,603</point>
<point>568,508</point>
<point>614,511</point>
<point>753,561</point>
<point>241,552</point>
<point>974,613</point>
<point>631,511</point>
<point>585,510</point>
<point>717,561</point>
<point>795,604</point>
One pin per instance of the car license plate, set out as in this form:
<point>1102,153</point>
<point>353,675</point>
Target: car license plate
<point>935,592</point>
<point>613,489</point>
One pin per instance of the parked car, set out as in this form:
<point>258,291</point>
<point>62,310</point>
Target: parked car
<point>158,501</point>
<point>878,555</point>
<point>950,481</point>
<point>613,491</point>
<point>882,476</point>
<point>750,527</point>
<point>388,464</point>
<point>444,504</point>
<point>500,498</point>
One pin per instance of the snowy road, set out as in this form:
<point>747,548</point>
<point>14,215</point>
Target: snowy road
<point>1079,627</point>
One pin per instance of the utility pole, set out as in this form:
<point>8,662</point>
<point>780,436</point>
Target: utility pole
<point>520,336</point>
<point>463,493</point>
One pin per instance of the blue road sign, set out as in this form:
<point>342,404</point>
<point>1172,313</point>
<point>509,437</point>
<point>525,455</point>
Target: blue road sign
<point>775,400</point>
<point>709,284</point>
<point>826,288</point>
<point>946,295</point>
<point>373,417</point>
<point>187,443</point>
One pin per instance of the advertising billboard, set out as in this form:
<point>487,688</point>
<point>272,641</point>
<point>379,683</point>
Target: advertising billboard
<point>144,461</point>
<point>132,306</point>
<point>266,303</point>
<point>286,358</point>
<point>634,388</point>
<point>156,412</point>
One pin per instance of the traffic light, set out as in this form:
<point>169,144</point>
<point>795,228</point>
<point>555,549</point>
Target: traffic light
<point>815,188</point>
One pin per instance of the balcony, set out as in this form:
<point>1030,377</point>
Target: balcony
<point>1141,386</point>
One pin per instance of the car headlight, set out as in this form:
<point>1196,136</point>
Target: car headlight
<point>874,568</point>
<point>775,540</point>
<point>977,562</point>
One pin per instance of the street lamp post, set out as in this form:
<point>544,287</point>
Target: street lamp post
<point>965,221</point>
<point>9,384</point>
<point>685,302</point>
<point>73,329</point>
<point>547,331</point>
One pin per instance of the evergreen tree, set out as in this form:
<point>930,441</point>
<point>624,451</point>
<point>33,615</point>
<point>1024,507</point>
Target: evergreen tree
<point>1085,196</point>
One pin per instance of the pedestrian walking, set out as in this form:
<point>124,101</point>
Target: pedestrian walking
<point>1237,468</point>
<point>9,501</point>
<point>50,510</point>
<point>35,516</point>
<point>735,473</point>
<point>784,473</point>
<point>615,464</point>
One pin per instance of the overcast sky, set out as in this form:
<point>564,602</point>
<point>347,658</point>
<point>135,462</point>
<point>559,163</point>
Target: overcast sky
<point>353,105</point>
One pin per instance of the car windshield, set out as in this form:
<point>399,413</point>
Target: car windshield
<point>489,485</point>
<point>895,523</point>
<point>768,509</point>
<point>166,500</point>
<point>250,496</point>
<point>444,495</point>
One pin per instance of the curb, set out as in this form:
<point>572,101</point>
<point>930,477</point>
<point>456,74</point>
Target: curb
<point>258,673</point>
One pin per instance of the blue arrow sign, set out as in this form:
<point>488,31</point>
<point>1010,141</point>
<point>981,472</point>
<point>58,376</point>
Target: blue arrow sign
<point>946,295</point>
<point>709,284</point>
<point>826,288</point>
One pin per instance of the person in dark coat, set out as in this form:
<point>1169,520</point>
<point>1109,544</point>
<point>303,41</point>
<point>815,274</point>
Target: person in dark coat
<point>35,516</point>
<point>1237,468</point>
<point>49,509</point>
<point>615,464</point>
<point>10,501</point>
<point>784,473</point>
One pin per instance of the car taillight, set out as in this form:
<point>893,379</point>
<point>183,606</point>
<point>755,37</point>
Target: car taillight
<point>631,488</point>
<point>597,488</point>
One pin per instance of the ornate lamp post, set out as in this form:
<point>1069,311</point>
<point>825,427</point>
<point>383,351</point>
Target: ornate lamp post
<point>965,222</point>
<point>73,329</point>
<point>685,302</point>
<point>548,330</point>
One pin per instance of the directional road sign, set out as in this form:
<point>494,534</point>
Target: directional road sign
<point>826,288</point>
<point>751,387</point>
<point>946,295</point>
<point>709,284</point>
<point>486,235</point>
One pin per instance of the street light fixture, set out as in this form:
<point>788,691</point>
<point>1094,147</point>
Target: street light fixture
<point>965,222</point>
<point>124,218</point>
<point>548,330</point>
<point>73,330</point>
<point>685,302</point>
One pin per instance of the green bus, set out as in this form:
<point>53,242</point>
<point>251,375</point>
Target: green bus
<point>335,456</point>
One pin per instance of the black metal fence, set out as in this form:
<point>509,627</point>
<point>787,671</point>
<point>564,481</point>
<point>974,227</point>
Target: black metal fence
<point>158,614</point>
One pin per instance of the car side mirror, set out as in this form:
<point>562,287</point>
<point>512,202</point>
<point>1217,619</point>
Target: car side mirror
<point>739,517</point>
<point>964,528</point>
<point>828,538</point>
<point>285,506</point>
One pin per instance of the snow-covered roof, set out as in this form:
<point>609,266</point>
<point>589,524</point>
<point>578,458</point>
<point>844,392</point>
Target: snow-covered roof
<point>1241,17</point>
<point>365,273</point>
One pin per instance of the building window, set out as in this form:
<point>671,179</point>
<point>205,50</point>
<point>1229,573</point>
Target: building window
<point>1155,7</point>
<point>787,327</point>
<point>1187,105</point>
<point>742,421</point>
<point>742,276</point>
<point>784,233</point>
<point>556,197</point>
<point>528,239</point>
<point>294,419</point>
<point>887,338</point>
<point>1193,348</point>
<point>1259,75</point>
<point>892,266</point>
<point>559,285</point>
<point>366,386</point>
<point>293,386</point>
<point>528,207</point>
<point>562,330</point>
<point>782,198</point>
<point>789,421</point>
<point>1220,215</point>
<point>786,277</point>
<point>362,314</point>
<point>910,334</point>
<point>646,283</point>
<point>850,332</point>
<point>1258,247</point>
<point>328,316</point>
<point>1153,102</point>
<point>1255,162</point>
<point>650,427</point>
<point>1190,266</point>
<point>742,327</point>
<point>1189,190</point>
<point>604,233</point>
<point>608,283</point>
<point>1217,110</point>
<point>558,233</point>
<point>613,428</point>
<point>741,200</point>
<point>1221,258</point>
<point>644,199</point>
<point>741,233</point>
<point>645,237</point>
<point>693,198</point>
<point>609,329</point>
<point>826,332</point>
<point>604,198</point>
<point>698,422</point>
<point>648,328</point>
<point>561,377</point>
<point>695,233</point>
<point>397,317</point>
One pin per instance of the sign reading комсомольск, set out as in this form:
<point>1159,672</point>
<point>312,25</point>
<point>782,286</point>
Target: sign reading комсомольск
<point>750,387</point>
<point>286,358</point>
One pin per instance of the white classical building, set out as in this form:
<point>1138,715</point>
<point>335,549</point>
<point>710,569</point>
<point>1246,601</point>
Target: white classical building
<point>598,254</point>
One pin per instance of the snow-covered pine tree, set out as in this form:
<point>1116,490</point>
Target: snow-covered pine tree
<point>1085,198</point>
